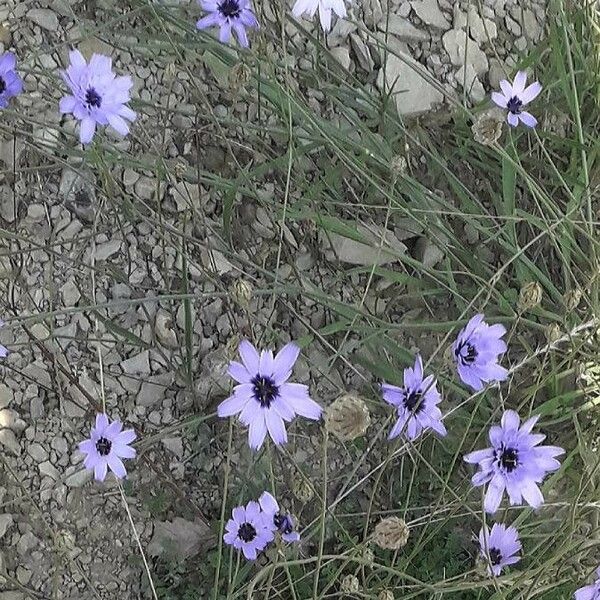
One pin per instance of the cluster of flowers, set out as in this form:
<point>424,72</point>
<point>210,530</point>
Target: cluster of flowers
<point>99,97</point>
<point>263,398</point>
<point>253,527</point>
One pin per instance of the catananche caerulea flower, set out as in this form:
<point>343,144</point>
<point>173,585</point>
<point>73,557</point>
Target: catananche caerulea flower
<point>476,351</point>
<point>282,522</point>
<point>500,547</point>
<point>228,15</point>
<point>106,447</point>
<point>416,402</point>
<point>325,8</point>
<point>97,97</point>
<point>264,399</point>
<point>590,592</point>
<point>514,97</point>
<point>515,462</point>
<point>249,530</point>
<point>10,83</point>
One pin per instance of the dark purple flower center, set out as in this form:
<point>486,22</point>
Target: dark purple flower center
<point>495,556</point>
<point>2,85</point>
<point>265,390</point>
<point>246,532</point>
<point>509,458</point>
<point>413,400</point>
<point>514,105</point>
<point>466,352</point>
<point>103,446</point>
<point>92,98</point>
<point>283,523</point>
<point>230,9</point>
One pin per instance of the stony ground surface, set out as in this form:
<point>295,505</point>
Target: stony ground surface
<point>67,246</point>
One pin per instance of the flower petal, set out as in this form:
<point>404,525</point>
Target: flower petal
<point>242,394</point>
<point>239,372</point>
<point>116,465</point>
<point>530,92</point>
<point>276,427</point>
<point>257,432</point>
<point>493,496</point>
<point>513,120</point>
<point>499,99</point>
<point>100,470</point>
<point>528,119</point>
<point>249,355</point>
<point>296,395</point>
<point>284,362</point>
<point>519,83</point>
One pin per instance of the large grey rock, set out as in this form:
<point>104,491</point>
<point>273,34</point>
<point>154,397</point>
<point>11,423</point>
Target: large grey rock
<point>404,30</point>
<point>413,93</point>
<point>180,538</point>
<point>354,252</point>
<point>44,17</point>
<point>462,50</point>
<point>429,12</point>
<point>5,522</point>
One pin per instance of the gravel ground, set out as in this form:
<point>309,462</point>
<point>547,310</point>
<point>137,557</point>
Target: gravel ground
<point>61,536</point>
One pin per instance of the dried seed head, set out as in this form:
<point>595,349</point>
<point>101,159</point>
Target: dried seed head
<point>391,533</point>
<point>487,127</point>
<point>530,296</point>
<point>398,165</point>
<point>350,584</point>
<point>179,169</point>
<point>589,378</point>
<point>572,299</point>
<point>348,417</point>
<point>302,488</point>
<point>368,555</point>
<point>230,351</point>
<point>239,76</point>
<point>385,595</point>
<point>553,333</point>
<point>241,292</point>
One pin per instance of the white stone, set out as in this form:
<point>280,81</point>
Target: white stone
<point>70,293</point>
<point>9,440</point>
<point>107,249</point>
<point>342,55</point>
<point>460,47</point>
<point>37,452</point>
<point>154,388</point>
<point>5,522</point>
<point>138,364</point>
<point>174,445</point>
<point>354,252</point>
<point>186,195</point>
<point>404,30</point>
<point>49,470</point>
<point>429,12</point>
<point>467,79</point>
<point>78,478</point>
<point>44,17</point>
<point>413,93</point>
